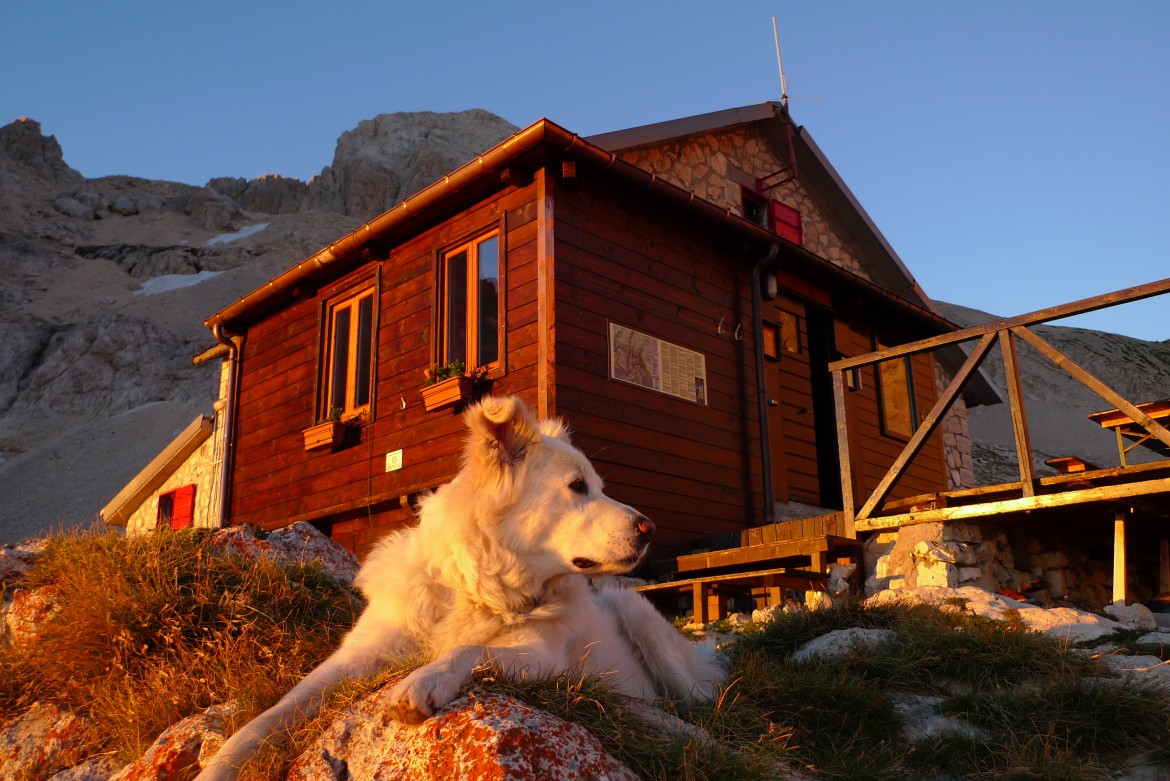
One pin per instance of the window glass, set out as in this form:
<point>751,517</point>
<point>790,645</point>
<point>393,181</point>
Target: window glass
<point>489,300</point>
<point>896,384</point>
<point>457,307</point>
<point>349,364</point>
<point>471,320</point>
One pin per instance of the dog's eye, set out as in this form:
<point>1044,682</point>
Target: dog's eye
<point>578,486</point>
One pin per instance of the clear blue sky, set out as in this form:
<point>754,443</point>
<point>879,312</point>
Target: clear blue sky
<point>1016,154</point>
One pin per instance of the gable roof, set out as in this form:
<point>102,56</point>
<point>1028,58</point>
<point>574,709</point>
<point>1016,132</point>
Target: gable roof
<point>530,147</point>
<point>813,166</point>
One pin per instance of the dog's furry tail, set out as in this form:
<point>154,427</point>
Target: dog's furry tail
<point>679,668</point>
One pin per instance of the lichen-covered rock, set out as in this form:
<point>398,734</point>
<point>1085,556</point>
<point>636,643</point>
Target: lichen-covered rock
<point>486,737</point>
<point>297,543</point>
<point>98,768</point>
<point>176,754</point>
<point>41,741</point>
<point>27,613</point>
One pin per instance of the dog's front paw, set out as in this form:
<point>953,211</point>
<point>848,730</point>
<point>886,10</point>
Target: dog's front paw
<point>419,695</point>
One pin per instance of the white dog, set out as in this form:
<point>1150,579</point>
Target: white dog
<point>497,571</point>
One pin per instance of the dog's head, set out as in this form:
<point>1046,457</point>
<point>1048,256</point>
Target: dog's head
<point>542,497</point>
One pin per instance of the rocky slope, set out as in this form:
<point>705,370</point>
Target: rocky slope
<point>105,283</point>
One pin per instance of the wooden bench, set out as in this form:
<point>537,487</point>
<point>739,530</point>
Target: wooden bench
<point>709,592</point>
<point>712,576</point>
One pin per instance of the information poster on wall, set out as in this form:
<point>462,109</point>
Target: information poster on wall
<point>641,359</point>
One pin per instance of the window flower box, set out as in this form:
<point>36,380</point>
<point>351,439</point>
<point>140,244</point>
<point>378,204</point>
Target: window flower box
<point>325,436</point>
<point>448,392</point>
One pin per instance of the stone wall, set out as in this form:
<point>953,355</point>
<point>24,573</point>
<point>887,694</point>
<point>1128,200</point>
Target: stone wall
<point>201,469</point>
<point>715,165</point>
<point>956,434</point>
<point>1039,563</point>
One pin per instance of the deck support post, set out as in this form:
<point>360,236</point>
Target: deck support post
<point>1119,591</point>
<point>699,595</point>
<point>1163,565</point>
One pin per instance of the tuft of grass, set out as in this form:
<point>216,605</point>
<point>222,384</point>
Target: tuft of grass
<point>155,628</point>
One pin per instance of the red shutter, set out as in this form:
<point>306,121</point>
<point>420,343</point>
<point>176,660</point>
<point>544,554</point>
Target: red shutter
<point>183,512</point>
<point>786,222</point>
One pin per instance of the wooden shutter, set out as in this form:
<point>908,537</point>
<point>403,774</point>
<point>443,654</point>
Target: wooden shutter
<point>183,509</point>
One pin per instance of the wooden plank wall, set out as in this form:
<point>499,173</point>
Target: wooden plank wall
<point>693,468</point>
<point>277,482</point>
<point>873,451</point>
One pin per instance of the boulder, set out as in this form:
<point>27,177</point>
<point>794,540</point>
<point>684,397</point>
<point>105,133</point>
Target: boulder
<point>178,752</point>
<point>481,736</point>
<point>93,769</point>
<point>1065,623</point>
<point>300,542</point>
<point>27,612</point>
<point>841,641</point>
<point>71,207</point>
<point>214,211</point>
<point>1133,616</point>
<point>41,741</point>
<point>124,205</point>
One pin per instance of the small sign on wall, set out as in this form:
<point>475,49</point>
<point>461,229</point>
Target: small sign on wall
<point>641,359</point>
<point>394,461</point>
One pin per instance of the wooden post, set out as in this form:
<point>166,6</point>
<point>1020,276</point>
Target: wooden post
<point>1163,565</point>
<point>699,595</point>
<point>1119,592</point>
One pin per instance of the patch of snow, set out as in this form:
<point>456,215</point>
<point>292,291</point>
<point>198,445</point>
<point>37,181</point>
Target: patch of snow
<point>173,282</point>
<point>227,238</point>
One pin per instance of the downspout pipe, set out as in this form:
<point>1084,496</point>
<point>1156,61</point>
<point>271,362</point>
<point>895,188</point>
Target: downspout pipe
<point>229,419</point>
<point>763,263</point>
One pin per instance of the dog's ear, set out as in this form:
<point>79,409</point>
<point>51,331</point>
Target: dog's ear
<point>502,430</point>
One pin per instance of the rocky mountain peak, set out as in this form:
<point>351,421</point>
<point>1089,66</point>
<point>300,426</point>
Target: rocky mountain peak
<point>390,157</point>
<point>23,142</point>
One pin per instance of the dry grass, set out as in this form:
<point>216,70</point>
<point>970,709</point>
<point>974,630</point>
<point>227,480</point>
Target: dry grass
<point>153,629</point>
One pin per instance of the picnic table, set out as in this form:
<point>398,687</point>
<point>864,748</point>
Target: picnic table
<point>1129,430</point>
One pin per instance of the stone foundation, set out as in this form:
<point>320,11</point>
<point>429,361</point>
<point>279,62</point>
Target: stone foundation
<point>1039,564</point>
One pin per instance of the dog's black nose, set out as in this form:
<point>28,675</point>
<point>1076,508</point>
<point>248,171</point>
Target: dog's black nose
<point>644,524</point>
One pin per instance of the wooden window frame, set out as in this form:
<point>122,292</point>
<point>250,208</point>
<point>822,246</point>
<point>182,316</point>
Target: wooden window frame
<point>348,300</point>
<point>890,382</point>
<point>471,306</point>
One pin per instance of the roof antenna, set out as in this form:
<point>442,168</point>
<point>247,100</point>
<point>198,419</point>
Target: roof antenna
<point>780,65</point>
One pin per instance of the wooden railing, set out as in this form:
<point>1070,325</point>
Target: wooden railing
<point>1005,333</point>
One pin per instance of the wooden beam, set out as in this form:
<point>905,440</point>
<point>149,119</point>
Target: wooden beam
<point>1163,565</point>
<point>1023,504</point>
<point>546,360</point>
<point>754,554</point>
<point>928,425</point>
<point>1155,428</point>
<point>1011,369</point>
<point>841,409</point>
<point>1124,296</point>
